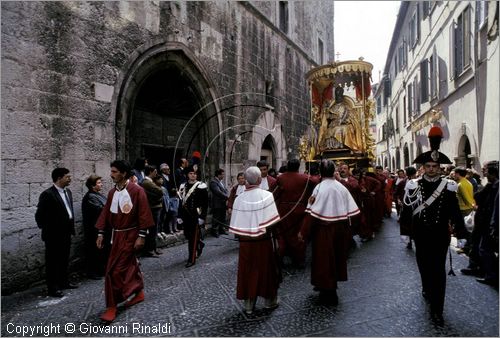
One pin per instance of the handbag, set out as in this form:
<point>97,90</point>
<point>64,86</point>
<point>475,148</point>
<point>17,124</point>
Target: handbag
<point>469,221</point>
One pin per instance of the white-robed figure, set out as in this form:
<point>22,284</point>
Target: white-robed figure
<point>328,225</point>
<point>254,211</point>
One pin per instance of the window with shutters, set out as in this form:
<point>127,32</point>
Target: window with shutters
<point>461,43</point>
<point>481,13</point>
<point>414,28</point>
<point>410,100</point>
<point>433,74</point>
<point>424,80</point>
<point>416,97</point>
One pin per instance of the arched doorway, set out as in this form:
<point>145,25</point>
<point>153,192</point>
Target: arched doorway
<point>406,155</point>
<point>267,140</point>
<point>165,108</point>
<point>267,152</point>
<point>464,150</point>
<point>398,159</point>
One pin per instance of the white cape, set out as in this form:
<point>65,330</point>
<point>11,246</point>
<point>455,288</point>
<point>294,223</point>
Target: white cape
<point>332,202</point>
<point>121,198</point>
<point>253,211</point>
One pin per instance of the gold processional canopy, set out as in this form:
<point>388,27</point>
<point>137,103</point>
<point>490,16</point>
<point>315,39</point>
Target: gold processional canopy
<point>341,110</point>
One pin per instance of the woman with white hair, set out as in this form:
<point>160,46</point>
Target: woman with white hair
<point>254,211</point>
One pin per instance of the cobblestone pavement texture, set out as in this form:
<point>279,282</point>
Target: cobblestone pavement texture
<point>381,298</point>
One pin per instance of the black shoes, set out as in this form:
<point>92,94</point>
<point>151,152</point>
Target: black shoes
<point>471,272</point>
<point>488,281</point>
<point>199,249</point>
<point>189,264</point>
<point>56,293</point>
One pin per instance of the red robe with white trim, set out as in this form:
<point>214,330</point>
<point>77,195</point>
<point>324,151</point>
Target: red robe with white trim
<point>123,276</point>
<point>330,208</point>
<point>254,211</point>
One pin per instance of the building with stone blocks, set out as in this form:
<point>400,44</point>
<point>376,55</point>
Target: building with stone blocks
<point>84,83</point>
<point>442,69</point>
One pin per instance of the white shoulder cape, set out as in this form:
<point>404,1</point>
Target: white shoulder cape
<point>253,211</point>
<point>332,202</point>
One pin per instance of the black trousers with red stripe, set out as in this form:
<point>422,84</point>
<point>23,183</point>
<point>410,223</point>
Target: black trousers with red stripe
<point>192,233</point>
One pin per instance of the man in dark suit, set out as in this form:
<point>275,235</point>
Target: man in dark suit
<point>220,195</point>
<point>55,216</point>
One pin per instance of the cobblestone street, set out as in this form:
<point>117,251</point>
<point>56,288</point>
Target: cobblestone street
<point>381,298</point>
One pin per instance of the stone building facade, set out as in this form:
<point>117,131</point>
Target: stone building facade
<point>442,69</point>
<point>84,83</point>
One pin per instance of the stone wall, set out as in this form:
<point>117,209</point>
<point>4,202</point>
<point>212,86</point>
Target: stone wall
<point>63,67</point>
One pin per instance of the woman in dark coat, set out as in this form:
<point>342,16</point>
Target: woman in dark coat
<point>92,204</point>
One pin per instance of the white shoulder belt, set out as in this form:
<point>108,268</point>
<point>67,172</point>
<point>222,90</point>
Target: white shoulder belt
<point>432,198</point>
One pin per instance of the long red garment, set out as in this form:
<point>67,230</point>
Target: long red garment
<point>330,245</point>
<point>292,192</point>
<point>258,270</point>
<point>123,276</point>
<point>388,195</point>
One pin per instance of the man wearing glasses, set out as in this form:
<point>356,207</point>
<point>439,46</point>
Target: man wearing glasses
<point>431,205</point>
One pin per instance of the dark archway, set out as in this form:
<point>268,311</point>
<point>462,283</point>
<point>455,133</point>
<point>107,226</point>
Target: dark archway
<point>464,150</point>
<point>398,159</point>
<point>268,151</point>
<point>166,108</point>
<point>406,155</point>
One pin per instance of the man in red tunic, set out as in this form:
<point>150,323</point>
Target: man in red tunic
<point>368,187</point>
<point>128,215</point>
<point>352,185</point>
<point>399,190</point>
<point>330,208</point>
<point>291,194</point>
<point>254,211</point>
<point>268,183</point>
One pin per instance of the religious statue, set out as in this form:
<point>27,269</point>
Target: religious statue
<point>340,125</point>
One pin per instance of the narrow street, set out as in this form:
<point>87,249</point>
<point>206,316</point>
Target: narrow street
<point>381,298</point>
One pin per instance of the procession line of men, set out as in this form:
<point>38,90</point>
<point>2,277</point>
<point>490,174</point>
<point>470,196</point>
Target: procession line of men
<point>324,209</point>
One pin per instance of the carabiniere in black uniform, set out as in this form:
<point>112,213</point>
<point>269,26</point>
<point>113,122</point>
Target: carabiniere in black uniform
<point>430,221</point>
<point>192,210</point>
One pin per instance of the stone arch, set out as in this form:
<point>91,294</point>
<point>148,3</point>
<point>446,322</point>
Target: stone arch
<point>267,125</point>
<point>175,66</point>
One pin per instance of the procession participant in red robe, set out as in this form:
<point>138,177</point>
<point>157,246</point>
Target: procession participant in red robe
<point>268,183</point>
<point>379,197</point>
<point>254,211</point>
<point>368,187</point>
<point>388,190</point>
<point>352,185</point>
<point>291,194</point>
<point>128,215</point>
<point>399,190</point>
<point>330,208</point>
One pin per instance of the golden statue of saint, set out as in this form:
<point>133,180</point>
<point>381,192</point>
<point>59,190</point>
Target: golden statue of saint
<point>340,126</point>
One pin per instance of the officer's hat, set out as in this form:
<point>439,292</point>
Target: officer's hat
<point>433,155</point>
<point>191,169</point>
